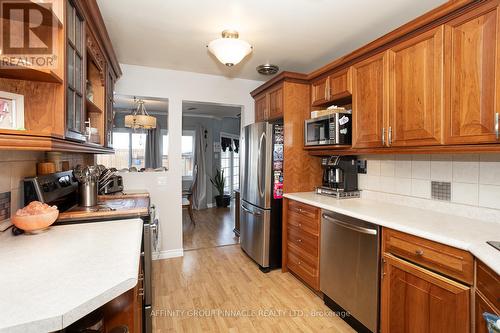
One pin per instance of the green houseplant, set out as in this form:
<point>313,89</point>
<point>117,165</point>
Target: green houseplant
<point>218,182</point>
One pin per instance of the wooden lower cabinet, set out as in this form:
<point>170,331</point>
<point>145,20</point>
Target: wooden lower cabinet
<point>126,309</point>
<point>415,299</point>
<point>482,306</point>
<point>301,236</point>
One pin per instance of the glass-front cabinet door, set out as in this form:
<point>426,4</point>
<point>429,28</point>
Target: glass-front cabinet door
<point>110,84</point>
<point>75,106</point>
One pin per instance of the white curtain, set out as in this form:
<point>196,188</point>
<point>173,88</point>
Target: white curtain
<point>200,178</point>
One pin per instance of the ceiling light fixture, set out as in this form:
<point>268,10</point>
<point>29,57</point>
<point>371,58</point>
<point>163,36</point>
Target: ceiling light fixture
<point>140,118</point>
<point>229,49</point>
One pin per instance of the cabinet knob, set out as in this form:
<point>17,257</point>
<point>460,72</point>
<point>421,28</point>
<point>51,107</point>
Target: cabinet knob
<point>419,252</point>
<point>300,224</point>
<point>299,240</point>
<point>299,262</point>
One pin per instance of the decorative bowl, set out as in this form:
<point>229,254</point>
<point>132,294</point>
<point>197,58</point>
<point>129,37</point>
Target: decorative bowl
<point>35,223</point>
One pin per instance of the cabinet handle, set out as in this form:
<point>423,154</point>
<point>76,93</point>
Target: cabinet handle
<point>383,267</point>
<point>299,262</point>
<point>419,252</point>
<point>141,292</point>
<point>389,134</point>
<point>383,136</point>
<point>300,224</point>
<point>299,240</point>
<point>497,120</point>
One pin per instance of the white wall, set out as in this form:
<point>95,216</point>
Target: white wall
<point>166,188</point>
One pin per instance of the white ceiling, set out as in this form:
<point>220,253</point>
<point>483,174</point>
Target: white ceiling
<point>296,35</point>
<point>213,110</point>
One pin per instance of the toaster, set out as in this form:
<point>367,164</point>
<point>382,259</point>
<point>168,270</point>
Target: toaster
<point>113,184</point>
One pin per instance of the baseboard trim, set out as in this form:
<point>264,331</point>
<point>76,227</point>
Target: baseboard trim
<point>174,253</point>
<point>211,205</point>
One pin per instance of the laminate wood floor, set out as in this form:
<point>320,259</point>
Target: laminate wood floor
<point>214,227</point>
<point>220,289</point>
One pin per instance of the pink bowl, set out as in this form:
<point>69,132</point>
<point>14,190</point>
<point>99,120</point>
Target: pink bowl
<point>34,223</point>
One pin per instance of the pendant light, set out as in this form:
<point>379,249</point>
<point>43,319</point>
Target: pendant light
<point>140,118</point>
<point>229,49</point>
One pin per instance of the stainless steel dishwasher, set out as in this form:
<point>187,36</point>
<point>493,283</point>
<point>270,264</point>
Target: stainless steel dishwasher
<point>349,271</point>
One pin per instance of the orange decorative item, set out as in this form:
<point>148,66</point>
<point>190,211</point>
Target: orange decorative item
<point>35,217</point>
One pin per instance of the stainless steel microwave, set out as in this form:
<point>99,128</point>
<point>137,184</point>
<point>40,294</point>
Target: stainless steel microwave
<point>332,129</point>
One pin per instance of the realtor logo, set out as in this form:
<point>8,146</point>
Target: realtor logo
<point>29,33</point>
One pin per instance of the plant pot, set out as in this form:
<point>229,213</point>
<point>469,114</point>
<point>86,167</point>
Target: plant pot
<point>222,200</point>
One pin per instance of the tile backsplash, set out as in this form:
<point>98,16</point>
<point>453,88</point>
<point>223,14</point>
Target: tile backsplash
<point>16,165</point>
<point>474,178</point>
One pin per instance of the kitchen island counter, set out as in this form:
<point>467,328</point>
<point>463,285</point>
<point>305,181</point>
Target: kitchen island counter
<point>50,280</point>
<point>460,232</point>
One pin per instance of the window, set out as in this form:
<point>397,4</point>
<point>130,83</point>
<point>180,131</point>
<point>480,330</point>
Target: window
<point>230,164</point>
<point>187,146</point>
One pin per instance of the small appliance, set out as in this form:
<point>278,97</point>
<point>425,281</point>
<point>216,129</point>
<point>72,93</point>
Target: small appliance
<point>340,177</point>
<point>331,129</point>
<point>113,185</point>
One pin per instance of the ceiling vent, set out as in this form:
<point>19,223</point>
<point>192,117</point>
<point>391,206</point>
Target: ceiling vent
<point>267,69</point>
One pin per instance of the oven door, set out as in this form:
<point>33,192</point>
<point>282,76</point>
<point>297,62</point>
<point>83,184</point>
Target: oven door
<point>320,131</point>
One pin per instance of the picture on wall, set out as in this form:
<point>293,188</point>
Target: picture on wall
<point>11,111</point>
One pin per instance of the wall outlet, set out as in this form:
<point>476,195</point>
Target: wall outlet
<point>362,166</point>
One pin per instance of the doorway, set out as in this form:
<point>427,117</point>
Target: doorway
<point>210,150</point>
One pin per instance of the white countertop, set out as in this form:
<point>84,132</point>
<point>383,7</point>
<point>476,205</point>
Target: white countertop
<point>52,279</point>
<point>460,232</point>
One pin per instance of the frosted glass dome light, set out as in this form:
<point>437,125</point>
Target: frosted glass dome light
<point>229,50</point>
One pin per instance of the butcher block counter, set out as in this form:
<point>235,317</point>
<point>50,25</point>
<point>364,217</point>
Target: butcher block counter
<point>119,205</point>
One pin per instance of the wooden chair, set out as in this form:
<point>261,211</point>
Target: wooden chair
<point>187,196</point>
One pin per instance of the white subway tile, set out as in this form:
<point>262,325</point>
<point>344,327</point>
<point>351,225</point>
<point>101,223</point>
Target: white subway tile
<point>489,196</point>
<point>372,183</point>
<point>386,184</point>
<point>441,168</point>
<point>373,167</point>
<point>402,186</point>
<point>421,188</point>
<point>466,168</point>
<point>5,171</point>
<point>421,167</point>
<point>16,200</point>
<point>362,181</point>
<point>489,169</point>
<point>387,167</point>
<point>403,166</point>
<point>465,193</point>
<point>20,170</point>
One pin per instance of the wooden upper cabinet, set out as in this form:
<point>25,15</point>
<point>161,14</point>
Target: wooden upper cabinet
<point>261,107</point>
<point>319,91</point>
<point>415,102</point>
<point>417,300</point>
<point>472,76</point>
<point>369,101</point>
<point>276,103</point>
<point>330,88</point>
<point>340,85</point>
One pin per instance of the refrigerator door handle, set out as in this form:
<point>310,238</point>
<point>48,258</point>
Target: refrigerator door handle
<point>259,166</point>
<point>250,212</point>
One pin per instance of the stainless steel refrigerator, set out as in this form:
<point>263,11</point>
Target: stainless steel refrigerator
<point>261,186</point>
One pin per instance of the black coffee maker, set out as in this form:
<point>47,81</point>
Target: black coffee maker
<point>340,173</point>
